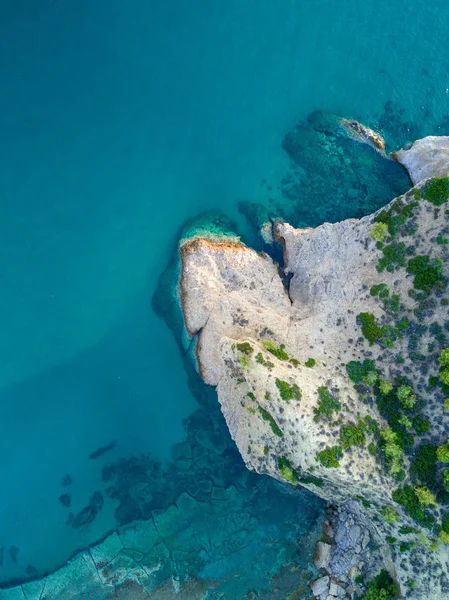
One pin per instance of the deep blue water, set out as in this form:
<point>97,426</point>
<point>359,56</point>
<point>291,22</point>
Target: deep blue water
<point>118,122</point>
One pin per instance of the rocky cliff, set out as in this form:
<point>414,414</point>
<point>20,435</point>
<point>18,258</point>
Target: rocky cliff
<point>331,371</point>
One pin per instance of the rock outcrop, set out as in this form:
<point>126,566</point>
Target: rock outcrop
<point>426,158</point>
<point>333,381</point>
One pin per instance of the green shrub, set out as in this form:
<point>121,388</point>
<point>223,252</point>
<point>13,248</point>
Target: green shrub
<point>390,515</point>
<point>288,392</point>
<point>406,529</point>
<point>436,190</point>
<point>244,361</point>
<point>351,435</point>
<point>380,289</point>
<point>392,450</point>
<point>443,537</point>
<point>427,274</point>
<point>425,496</point>
<point>405,421</point>
<point>357,371</point>
<point>444,357</point>
<point>444,376</point>
<point>446,479</point>
<point>327,403</point>
<point>251,395</point>
<point>370,378</point>
<point>378,231</point>
<point>279,353</point>
<point>330,457</point>
<point>311,479</point>
<point>274,426</point>
<point>372,448</point>
<point>295,362</point>
<point>406,396</point>
<point>259,358</point>
<point>245,347</point>
<point>382,587</point>
<point>445,524</point>
<point>391,540</point>
<point>443,452</point>
<point>421,425</point>
<point>385,386</point>
<point>406,496</point>
<point>393,257</point>
<point>424,465</point>
<point>286,470</point>
<point>310,362</point>
<point>266,450</point>
<point>370,329</point>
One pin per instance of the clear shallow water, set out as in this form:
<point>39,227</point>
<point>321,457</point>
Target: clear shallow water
<point>117,123</point>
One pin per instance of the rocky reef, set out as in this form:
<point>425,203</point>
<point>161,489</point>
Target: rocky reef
<point>332,373</point>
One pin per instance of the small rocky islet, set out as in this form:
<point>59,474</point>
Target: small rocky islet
<point>332,373</point>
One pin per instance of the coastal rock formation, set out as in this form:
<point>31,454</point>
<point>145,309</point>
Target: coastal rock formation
<point>329,372</point>
<point>426,158</point>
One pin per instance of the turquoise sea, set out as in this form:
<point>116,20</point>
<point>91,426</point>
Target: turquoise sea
<point>120,121</point>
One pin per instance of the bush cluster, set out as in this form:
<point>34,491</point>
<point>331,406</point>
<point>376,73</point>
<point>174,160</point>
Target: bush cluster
<point>359,372</point>
<point>278,352</point>
<point>352,435</point>
<point>330,457</point>
<point>435,191</point>
<point>327,403</point>
<point>428,274</point>
<point>245,347</point>
<point>286,470</point>
<point>288,392</point>
<point>274,426</point>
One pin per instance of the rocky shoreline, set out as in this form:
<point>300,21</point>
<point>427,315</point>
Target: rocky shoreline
<point>348,552</point>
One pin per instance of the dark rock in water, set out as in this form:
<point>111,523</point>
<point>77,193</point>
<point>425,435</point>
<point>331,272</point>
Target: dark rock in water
<point>88,513</point>
<point>13,552</point>
<point>102,450</point>
<point>2,555</point>
<point>65,500</point>
<point>32,571</point>
<point>66,480</point>
<point>128,510</point>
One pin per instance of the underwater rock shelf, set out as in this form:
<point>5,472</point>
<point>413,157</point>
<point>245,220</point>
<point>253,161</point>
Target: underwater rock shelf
<point>339,382</point>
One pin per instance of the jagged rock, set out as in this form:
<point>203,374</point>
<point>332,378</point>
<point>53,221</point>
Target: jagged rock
<point>322,555</point>
<point>320,586</point>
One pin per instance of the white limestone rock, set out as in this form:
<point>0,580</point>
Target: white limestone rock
<point>426,158</point>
